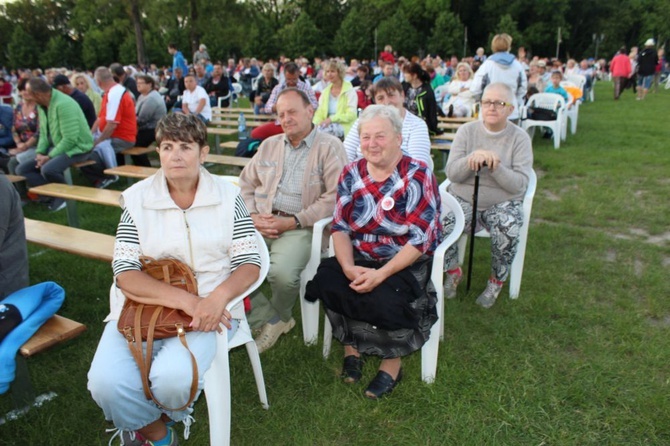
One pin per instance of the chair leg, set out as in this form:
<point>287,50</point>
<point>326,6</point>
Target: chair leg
<point>557,137</point>
<point>255,359</point>
<point>310,318</point>
<point>429,353</point>
<point>217,393</point>
<point>517,264</point>
<point>327,337</point>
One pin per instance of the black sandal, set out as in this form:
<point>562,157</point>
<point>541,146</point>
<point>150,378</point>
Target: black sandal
<point>382,385</point>
<point>352,369</point>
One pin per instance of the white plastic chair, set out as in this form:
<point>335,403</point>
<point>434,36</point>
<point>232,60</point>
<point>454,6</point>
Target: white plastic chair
<point>430,349</point>
<point>224,98</point>
<point>217,378</point>
<point>237,90</point>
<point>310,310</point>
<point>572,113</point>
<point>517,264</point>
<point>549,101</point>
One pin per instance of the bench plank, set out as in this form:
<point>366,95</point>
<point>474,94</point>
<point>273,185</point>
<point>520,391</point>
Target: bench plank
<point>220,131</point>
<point>16,178</point>
<point>229,145</point>
<point>227,159</point>
<point>139,150</point>
<point>79,193</point>
<point>54,331</point>
<point>73,240</point>
<point>132,171</point>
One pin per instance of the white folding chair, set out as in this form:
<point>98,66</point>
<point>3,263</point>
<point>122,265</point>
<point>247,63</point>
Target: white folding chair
<point>430,349</point>
<point>548,101</point>
<point>517,264</point>
<point>310,310</point>
<point>217,378</point>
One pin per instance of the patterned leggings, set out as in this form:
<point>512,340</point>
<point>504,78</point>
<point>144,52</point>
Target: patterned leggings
<point>503,221</point>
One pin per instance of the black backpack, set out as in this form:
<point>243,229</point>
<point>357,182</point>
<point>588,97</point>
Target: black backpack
<point>247,147</point>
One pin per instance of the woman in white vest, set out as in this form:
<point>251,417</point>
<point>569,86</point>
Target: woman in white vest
<point>185,213</point>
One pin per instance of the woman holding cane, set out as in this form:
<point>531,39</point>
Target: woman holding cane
<point>502,153</point>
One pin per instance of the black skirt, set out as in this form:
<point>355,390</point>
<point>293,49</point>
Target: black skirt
<point>408,320</point>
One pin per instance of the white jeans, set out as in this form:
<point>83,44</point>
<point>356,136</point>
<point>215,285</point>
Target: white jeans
<point>115,384</point>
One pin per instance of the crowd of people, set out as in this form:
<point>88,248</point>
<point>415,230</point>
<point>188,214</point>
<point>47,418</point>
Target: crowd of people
<point>350,141</point>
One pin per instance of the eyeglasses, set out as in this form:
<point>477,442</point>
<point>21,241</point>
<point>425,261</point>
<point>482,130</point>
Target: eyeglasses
<point>497,105</point>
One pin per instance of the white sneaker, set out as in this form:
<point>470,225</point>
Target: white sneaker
<point>488,298</point>
<point>451,281</point>
<point>271,332</point>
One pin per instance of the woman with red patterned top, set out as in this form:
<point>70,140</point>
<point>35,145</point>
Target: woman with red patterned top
<point>377,290</point>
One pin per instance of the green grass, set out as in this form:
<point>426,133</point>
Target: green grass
<point>581,358</point>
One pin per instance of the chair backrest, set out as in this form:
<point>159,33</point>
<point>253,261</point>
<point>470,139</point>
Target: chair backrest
<point>450,204</point>
<point>237,88</point>
<point>232,179</point>
<point>527,197</point>
<point>576,79</point>
<point>549,101</point>
<point>265,267</point>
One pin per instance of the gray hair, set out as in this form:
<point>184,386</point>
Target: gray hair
<point>381,111</point>
<point>39,85</point>
<point>103,74</point>
<point>503,88</point>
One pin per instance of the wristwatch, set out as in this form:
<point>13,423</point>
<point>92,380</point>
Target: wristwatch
<point>297,223</point>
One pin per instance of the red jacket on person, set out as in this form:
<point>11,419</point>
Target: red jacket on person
<point>620,66</point>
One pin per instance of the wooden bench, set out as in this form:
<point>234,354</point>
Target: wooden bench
<point>227,160</point>
<point>218,132</point>
<point>56,330</point>
<point>68,172</point>
<point>461,120</point>
<point>72,194</point>
<point>85,243</point>
<point>15,178</point>
<point>129,171</point>
<point>135,151</point>
<point>229,145</point>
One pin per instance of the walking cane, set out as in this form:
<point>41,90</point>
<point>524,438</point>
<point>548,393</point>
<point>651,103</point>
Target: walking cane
<point>473,225</point>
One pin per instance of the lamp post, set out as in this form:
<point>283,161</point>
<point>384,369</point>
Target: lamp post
<point>597,39</point>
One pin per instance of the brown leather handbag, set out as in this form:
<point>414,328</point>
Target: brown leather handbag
<point>141,322</point>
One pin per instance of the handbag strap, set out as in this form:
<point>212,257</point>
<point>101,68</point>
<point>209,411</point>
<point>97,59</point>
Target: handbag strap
<point>144,362</point>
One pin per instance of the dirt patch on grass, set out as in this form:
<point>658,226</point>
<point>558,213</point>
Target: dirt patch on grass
<point>666,261</point>
<point>663,322</point>
<point>634,233</point>
<point>551,196</point>
<point>638,267</point>
<point>610,256</point>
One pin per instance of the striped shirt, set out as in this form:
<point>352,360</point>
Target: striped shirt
<point>243,248</point>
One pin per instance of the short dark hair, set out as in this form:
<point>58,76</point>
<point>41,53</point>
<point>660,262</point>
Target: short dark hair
<point>291,67</point>
<point>147,79</point>
<point>302,94</point>
<point>387,84</point>
<point>39,85</point>
<point>172,45</point>
<point>117,69</point>
<point>183,128</point>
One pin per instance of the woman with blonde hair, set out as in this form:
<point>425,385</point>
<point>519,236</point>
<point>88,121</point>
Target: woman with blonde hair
<point>461,101</point>
<point>338,102</point>
<point>83,83</point>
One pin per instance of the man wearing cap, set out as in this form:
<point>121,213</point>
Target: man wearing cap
<point>646,67</point>
<point>62,84</point>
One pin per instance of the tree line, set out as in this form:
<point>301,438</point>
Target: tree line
<point>89,33</point>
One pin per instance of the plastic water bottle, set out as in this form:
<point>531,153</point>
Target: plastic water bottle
<point>242,127</point>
